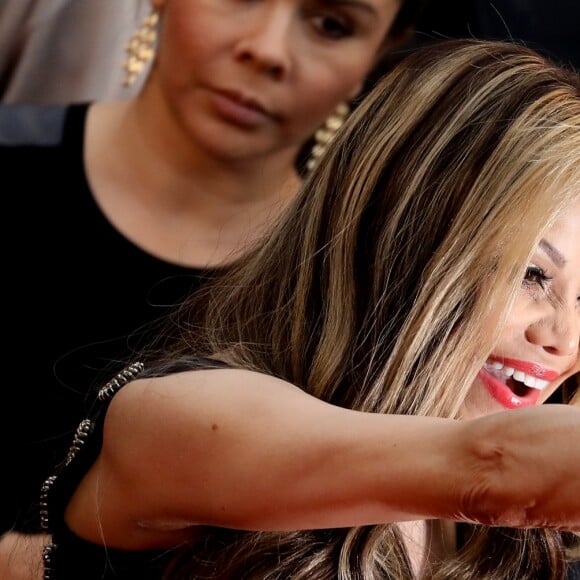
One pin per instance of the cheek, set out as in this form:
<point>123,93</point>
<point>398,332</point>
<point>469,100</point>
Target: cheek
<point>326,77</point>
<point>321,90</point>
<point>509,336</point>
<point>513,329</point>
<point>184,39</point>
<point>477,402</point>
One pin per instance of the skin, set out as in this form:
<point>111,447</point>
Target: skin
<point>200,163</point>
<point>16,550</point>
<point>541,331</point>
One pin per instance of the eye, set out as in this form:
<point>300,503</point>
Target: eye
<point>333,27</point>
<point>536,276</point>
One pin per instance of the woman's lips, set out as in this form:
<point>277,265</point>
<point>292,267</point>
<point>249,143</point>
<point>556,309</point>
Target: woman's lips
<point>534,369</point>
<point>504,395</point>
<point>239,110</point>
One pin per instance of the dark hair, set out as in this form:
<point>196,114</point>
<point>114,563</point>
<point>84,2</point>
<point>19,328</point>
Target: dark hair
<point>405,22</point>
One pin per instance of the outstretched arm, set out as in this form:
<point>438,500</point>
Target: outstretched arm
<point>239,449</point>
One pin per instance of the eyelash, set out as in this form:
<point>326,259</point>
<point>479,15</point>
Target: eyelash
<point>536,276</point>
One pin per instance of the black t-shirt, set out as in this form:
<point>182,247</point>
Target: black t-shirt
<point>76,291</point>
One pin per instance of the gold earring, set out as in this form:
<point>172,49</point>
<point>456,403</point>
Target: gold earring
<point>141,48</point>
<point>325,134</point>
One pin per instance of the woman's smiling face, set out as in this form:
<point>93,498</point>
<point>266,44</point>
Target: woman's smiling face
<point>539,345</point>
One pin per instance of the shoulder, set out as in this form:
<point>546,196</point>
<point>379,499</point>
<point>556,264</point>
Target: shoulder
<point>193,396</point>
<point>208,382</point>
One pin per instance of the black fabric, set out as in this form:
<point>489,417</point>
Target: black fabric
<point>71,557</point>
<point>75,293</point>
<point>573,571</point>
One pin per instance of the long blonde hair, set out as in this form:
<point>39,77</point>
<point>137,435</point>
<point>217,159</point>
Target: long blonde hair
<point>384,287</point>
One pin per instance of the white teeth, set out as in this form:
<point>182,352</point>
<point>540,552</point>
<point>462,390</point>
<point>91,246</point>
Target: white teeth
<point>528,380</point>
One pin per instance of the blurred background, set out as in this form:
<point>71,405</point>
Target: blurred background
<point>550,26</point>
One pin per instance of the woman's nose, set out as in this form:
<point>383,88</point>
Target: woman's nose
<point>265,44</point>
<point>559,332</point>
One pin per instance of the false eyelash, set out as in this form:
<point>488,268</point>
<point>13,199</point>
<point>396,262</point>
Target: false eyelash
<point>536,276</point>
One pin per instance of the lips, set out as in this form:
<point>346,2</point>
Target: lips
<point>514,383</point>
<point>240,109</point>
<point>245,101</point>
<point>504,395</point>
<point>534,369</point>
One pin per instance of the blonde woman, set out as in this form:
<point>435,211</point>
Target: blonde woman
<point>360,397</point>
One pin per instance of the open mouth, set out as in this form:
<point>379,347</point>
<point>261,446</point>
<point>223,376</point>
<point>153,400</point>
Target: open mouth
<point>517,388</point>
<point>511,387</point>
<point>517,381</point>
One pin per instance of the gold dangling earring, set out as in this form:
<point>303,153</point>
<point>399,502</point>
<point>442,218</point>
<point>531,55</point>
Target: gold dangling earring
<point>141,48</point>
<point>325,134</point>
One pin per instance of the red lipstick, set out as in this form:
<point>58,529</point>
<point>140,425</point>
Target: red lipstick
<point>504,395</point>
<point>534,369</point>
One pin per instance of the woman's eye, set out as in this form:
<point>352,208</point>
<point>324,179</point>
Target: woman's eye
<point>536,276</point>
<point>332,26</point>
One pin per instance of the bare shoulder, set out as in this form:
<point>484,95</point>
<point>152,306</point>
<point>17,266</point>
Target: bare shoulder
<point>206,383</point>
<point>199,396</point>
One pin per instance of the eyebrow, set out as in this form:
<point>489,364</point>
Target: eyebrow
<point>354,4</point>
<point>553,253</point>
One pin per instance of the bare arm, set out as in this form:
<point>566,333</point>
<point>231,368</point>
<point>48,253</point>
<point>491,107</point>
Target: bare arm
<point>239,449</point>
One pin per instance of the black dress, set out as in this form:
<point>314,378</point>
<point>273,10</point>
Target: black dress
<point>76,293</point>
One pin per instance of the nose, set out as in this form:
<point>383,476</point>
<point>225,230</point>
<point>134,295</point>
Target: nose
<point>265,44</point>
<point>558,333</point>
